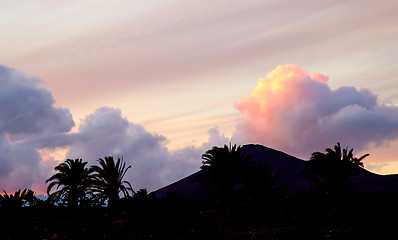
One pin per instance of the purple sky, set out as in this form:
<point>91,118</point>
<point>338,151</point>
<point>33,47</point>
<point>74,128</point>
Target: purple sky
<point>161,82</point>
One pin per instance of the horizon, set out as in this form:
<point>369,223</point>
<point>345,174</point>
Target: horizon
<point>160,83</point>
<point>44,196</point>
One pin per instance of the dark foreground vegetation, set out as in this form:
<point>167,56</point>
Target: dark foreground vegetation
<point>295,218</point>
<point>242,208</point>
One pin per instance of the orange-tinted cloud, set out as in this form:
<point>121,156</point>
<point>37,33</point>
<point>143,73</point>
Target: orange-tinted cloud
<point>295,111</point>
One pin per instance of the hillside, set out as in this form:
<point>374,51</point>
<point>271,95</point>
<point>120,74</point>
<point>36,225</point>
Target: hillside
<point>290,177</point>
<point>296,209</point>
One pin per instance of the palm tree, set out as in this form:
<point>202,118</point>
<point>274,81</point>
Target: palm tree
<point>261,180</point>
<point>225,166</point>
<point>73,181</point>
<point>108,180</point>
<point>335,166</point>
<point>18,199</point>
<point>330,172</point>
<point>142,197</point>
<point>141,193</point>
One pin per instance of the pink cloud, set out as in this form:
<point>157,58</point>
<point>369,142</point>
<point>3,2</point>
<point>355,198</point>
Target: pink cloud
<point>296,111</point>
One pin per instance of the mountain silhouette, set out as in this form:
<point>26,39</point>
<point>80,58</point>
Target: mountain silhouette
<point>290,177</point>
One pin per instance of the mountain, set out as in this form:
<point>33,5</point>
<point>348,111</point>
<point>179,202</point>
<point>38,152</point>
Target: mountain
<point>289,170</point>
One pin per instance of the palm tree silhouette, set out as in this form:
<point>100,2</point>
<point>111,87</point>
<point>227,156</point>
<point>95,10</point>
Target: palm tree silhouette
<point>108,180</point>
<point>225,166</point>
<point>335,166</point>
<point>73,181</point>
<point>18,199</point>
<point>345,155</point>
<point>260,181</point>
<point>141,193</point>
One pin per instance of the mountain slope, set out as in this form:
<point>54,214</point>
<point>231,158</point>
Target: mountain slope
<point>289,170</point>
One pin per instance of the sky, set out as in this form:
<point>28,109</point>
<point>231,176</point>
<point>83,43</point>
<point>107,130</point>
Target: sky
<point>160,82</point>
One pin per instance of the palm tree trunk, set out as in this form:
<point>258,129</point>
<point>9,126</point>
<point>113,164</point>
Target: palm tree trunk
<point>72,199</point>
<point>113,203</point>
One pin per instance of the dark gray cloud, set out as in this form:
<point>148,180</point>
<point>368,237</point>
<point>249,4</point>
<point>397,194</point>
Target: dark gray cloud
<point>26,108</point>
<point>5,158</point>
<point>27,115</point>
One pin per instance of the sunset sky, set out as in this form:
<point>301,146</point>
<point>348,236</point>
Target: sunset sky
<point>161,82</point>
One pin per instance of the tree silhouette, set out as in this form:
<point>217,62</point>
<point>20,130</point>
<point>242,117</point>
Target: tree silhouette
<point>335,166</point>
<point>142,198</point>
<point>29,197</point>
<point>141,193</point>
<point>330,172</point>
<point>226,167</point>
<point>108,180</point>
<point>18,199</point>
<point>73,181</point>
<point>261,180</point>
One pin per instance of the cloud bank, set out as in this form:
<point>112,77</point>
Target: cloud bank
<point>290,109</point>
<point>31,127</point>
<point>27,114</point>
<point>296,111</point>
<point>107,133</point>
